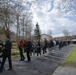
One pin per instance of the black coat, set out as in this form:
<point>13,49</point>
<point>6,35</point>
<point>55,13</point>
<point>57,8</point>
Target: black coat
<point>29,46</point>
<point>1,46</point>
<point>8,46</point>
<point>38,47</point>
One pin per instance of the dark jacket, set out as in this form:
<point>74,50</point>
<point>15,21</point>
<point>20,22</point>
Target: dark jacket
<point>1,46</point>
<point>29,46</point>
<point>38,47</point>
<point>8,46</point>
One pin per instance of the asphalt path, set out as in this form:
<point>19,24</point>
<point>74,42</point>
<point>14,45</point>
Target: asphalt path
<point>44,64</point>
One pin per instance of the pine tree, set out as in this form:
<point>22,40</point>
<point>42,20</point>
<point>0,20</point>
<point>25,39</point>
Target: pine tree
<point>37,33</point>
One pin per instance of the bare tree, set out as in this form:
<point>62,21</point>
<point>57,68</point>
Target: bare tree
<point>23,28</point>
<point>17,13</point>
<point>66,33</point>
<point>11,12</point>
<point>6,15</point>
<point>27,25</point>
<point>23,20</point>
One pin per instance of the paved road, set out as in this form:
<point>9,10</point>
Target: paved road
<point>41,65</point>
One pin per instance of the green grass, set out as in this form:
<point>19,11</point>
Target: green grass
<point>71,60</point>
<point>15,56</point>
<point>18,55</point>
<point>15,51</point>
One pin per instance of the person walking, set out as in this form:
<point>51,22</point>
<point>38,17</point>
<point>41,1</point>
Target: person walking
<point>38,48</point>
<point>20,47</point>
<point>28,49</point>
<point>7,53</point>
<point>45,46</point>
<point>60,44</point>
<point>51,44</point>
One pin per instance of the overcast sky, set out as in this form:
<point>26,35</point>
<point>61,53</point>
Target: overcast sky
<point>55,16</point>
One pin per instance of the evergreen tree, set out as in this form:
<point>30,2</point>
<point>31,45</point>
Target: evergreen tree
<point>37,33</point>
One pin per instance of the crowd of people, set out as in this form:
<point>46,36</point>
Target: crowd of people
<point>28,46</point>
<point>38,47</point>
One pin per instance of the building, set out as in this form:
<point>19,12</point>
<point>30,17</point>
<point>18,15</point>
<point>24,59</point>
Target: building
<point>43,36</point>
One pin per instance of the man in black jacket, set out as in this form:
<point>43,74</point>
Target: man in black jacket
<point>28,51</point>
<point>45,46</point>
<point>7,54</point>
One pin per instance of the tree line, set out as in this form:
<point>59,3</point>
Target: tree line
<point>15,16</point>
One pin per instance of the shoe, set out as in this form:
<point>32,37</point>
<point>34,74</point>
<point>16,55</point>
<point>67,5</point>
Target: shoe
<point>20,60</point>
<point>23,58</point>
<point>9,69</point>
<point>29,60</point>
<point>0,71</point>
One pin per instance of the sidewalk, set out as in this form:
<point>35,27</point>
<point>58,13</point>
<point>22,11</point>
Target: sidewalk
<point>65,71</point>
<point>42,65</point>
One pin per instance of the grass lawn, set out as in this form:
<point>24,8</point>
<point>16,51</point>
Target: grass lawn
<point>18,55</point>
<point>71,60</point>
<point>15,51</point>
